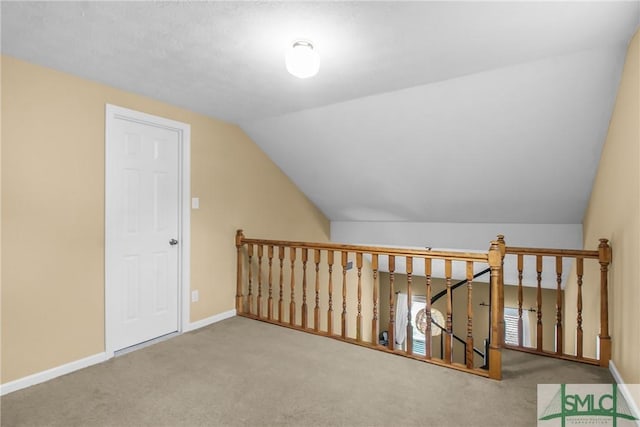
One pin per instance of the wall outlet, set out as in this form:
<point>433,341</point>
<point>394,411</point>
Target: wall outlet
<point>195,296</point>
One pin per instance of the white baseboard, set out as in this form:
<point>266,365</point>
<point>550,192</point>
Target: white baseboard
<point>67,368</point>
<point>622,386</point>
<point>52,373</point>
<point>209,320</point>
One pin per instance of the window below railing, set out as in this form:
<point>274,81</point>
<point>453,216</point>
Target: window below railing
<point>511,328</point>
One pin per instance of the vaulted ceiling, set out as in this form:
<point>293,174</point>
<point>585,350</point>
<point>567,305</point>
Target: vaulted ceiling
<point>421,111</point>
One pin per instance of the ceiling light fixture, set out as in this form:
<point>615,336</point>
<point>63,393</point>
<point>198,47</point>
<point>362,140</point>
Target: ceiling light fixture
<point>302,60</point>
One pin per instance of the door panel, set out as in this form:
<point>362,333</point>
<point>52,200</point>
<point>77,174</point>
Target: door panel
<point>143,214</point>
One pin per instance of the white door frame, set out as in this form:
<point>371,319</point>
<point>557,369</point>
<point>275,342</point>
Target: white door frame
<point>184,213</point>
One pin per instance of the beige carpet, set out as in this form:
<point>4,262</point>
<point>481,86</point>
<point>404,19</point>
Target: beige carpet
<point>244,372</point>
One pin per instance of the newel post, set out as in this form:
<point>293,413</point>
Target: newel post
<point>604,257</point>
<point>239,242</point>
<point>495,356</point>
<point>503,250</point>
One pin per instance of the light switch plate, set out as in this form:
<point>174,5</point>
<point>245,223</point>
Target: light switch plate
<point>195,203</point>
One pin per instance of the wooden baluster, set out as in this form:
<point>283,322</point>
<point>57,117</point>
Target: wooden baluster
<point>579,272</point>
<point>469,356</point>
<point>239,239</point>
<point>447,339</point>
<point>409,262</point>
<point>260,254</point>
<point>503,250</point>
<point>359,316</point>
<point>330,310</point>
<point>374,319</point>
<point>604,258</point>
<point>281,282</point>
<point>559,305</point>
<point>270,300</point>
<point>495,354</point>
<point>392,299</point>
<point>316,309</point>
<point>539,302</point>
<point>427,333</point>
<point>292,303</point>
<point>520,298</point>
<point>343,329</point>
<point>250,278</point>
<point>305,256</point>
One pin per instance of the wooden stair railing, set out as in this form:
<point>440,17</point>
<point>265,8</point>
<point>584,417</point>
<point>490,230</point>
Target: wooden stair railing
<point>461,341</point>
<point>440,294</point>
<point>603,257</point>
<point>355,308</point>
<point>469,349</point>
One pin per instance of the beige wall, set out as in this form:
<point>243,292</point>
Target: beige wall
<point>614,213</point>
<point>53,212</point>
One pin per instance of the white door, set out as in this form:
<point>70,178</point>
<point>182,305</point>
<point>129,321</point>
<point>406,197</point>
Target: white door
<point>142,230</point>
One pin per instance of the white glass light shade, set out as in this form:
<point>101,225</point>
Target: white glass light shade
<point>302,61</point>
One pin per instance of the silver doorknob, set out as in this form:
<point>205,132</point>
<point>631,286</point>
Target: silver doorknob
<point>173,242</point>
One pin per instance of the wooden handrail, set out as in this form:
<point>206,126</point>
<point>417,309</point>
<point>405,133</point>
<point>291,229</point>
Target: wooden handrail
<point>339,257</point>
<point>380,250</point>
<point>603,257</point>
<point>352,289</point>
<point>573,253</point>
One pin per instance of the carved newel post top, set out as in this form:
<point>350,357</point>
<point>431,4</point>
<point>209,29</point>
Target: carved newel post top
<point>501,244</point>
<point>495,257</point>
<point>239,238</point>
<point>604,251</point>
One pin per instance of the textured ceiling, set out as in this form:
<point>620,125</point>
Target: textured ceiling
<point>423,111</point>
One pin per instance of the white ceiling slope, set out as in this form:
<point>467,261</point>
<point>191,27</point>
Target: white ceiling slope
<point>422,111</point>
<point>516,144</point>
